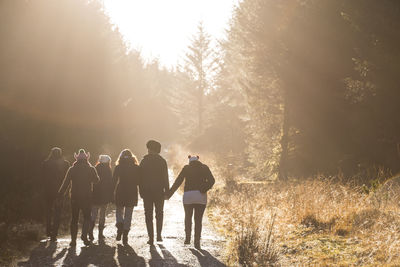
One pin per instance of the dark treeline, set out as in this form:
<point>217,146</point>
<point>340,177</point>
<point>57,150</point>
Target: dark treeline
<point>67,80</point>
<point>320,83</point>
<point>297,88</point>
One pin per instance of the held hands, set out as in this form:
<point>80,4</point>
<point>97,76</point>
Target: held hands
<point>167,195</point>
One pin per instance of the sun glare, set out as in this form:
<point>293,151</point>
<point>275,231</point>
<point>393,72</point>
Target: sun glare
<point>162,29</point>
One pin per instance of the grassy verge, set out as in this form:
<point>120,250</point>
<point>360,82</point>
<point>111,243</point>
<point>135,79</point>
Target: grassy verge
<point>308,222</point>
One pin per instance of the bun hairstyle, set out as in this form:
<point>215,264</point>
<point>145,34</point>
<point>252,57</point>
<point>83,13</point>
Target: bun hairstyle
<point>193,158</point>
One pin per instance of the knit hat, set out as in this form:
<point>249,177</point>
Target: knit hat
<point>104,159</point>
<point>82,155</point>
<point>193,158</point>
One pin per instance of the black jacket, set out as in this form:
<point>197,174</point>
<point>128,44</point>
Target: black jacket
<point>127,177</point>
<point>154,181</point>
<point>81,176</point>
<point>53,173</point>
<point>198,177</point>
<point>103,192</point>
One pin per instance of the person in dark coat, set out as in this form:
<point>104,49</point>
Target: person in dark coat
<point>153,187</point>
<point>103,193</point>
<point>81,176</point>
<point>127,177</point>
<point>53,171</point>
<point>198,180</point>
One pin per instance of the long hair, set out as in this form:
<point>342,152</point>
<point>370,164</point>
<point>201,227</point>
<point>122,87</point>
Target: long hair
<point>126,156</point>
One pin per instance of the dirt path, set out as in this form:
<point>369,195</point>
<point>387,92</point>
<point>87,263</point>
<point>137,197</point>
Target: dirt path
<point>170,252</point>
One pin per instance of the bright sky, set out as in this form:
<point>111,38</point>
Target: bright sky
<point>162,28</point>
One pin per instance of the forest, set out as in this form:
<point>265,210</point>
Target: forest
<point>301,96</point>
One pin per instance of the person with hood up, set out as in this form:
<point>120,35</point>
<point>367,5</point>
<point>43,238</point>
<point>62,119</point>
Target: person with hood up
<point>53,173</point>
<point>80,177</point>
<point>198,180</point>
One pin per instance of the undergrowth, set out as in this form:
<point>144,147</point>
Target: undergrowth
<point>318,221</point>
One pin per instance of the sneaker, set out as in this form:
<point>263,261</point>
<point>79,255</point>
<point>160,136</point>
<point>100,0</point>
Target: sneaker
<point>150,242</point>
<point>72,243</point>
<point>159,239</point>
<point>187,242</point>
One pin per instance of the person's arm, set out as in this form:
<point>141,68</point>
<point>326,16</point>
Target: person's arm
<point>165,177</point>
<point>177,183</point>
<point>66,182</point>
<point>94,177</point>
<point>210,180</point>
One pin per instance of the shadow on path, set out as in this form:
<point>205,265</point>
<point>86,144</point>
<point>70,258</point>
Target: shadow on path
<point>128,257</point>
<point>42,255</point>
<point>206,259</point>
<point>165,260</point>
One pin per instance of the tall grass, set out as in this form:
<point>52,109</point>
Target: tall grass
<point>312,221</point>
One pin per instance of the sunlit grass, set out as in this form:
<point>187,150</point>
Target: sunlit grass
<point>316,221</point>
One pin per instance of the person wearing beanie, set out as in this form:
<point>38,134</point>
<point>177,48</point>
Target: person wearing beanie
<point>127,177</point>
<point>198,180</point>
<point>80,176</point>
<point>54,169</point>
<point>102,195</point>
<point>153,188</point>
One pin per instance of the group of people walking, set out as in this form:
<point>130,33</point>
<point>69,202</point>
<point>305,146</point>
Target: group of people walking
<point>94,187</point>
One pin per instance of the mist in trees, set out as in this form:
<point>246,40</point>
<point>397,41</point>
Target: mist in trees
<point>296,88</point>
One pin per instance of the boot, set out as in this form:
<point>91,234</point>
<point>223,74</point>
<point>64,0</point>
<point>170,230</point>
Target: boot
<point>119,231</point>
<point>150,231</point>
<point>159,225</point>
<point>90,233</point>
<point>125,237</point>
<point>197,244</point>
<point>197,241</point>
<point>187,239</point>
<point>101,236</point>
<point>74,233</point>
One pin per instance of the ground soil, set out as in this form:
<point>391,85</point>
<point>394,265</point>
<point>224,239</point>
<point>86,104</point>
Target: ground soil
<point>170,252</point>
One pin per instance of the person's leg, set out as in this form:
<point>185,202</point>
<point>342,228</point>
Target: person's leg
<point>86,209</point>
<point>49,211</point>
<point>93,218</point>
<point>120,221</point>
<point>127,223</point>
<point>148,212</point>
<point>198,220</point>
<point>159,207</point>
<point>102,220</point>
<point>188,221</point>
<point>74,222</point>
<point>58,205</point>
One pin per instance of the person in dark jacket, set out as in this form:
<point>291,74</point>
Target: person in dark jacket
<point>127,177</point>
<point>198,180</point>
<point>153,187</point>
<point>53,171</point>
<point>103,193</point>
<point>80,176</point>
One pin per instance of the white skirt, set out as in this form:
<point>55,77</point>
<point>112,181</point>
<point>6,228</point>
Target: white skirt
<point>194,197</point>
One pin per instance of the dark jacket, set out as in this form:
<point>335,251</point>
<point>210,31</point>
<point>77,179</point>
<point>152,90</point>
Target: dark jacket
<point>127,177</point>
<point>198,177</point>
<point>103,192</point>
<point>53,171</point>
<point>154,181</point>
<point>81,176</point>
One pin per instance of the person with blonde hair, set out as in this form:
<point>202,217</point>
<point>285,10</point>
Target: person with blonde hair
<point>127,177</point>
<point>102,194</point>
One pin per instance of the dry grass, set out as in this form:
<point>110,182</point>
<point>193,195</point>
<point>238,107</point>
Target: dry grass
<point>309,222</point>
